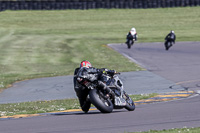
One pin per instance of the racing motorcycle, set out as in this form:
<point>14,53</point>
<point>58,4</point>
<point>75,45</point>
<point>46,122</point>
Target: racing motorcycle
<point>105,102</point>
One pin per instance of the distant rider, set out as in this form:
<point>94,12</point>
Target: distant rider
<point>92,74</point>
<point>171,37</point>
<point>132,34</point>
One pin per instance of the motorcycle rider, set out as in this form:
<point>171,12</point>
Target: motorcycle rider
<point>171,37</point>
<point>92,74</point>
<point>132,34</point>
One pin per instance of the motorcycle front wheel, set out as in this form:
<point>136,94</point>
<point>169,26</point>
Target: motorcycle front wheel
<point>100,102</point>
<point>167,45</point>
<point>129,44</point>
<point>130,105</point>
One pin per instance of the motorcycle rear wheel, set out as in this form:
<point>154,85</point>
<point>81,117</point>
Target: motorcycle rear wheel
<point>101,103</point>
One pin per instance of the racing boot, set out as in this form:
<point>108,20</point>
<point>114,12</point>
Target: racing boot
<point>86,105</point>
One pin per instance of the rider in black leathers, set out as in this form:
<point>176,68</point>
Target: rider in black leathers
<point>129,37</point>
<point>92,74</point>
<point>171,37</point>
<point>132,34</point>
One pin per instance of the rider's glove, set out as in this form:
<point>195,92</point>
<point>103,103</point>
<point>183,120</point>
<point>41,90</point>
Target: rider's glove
<point>104,71</point>
<point>111,72</point>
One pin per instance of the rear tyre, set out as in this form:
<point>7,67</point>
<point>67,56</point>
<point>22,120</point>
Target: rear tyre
<point>100,102</point>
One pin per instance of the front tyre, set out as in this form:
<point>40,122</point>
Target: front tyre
<point>166,45</point>
<point>130,105</point>
<point>129,44</point>
<point>100,102</point>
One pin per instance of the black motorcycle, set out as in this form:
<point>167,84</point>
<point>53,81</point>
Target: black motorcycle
<point>104,102</point>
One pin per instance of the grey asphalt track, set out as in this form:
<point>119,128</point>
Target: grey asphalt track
<point>51,88</point>
<point>180,64</point>
<point>159,116</point>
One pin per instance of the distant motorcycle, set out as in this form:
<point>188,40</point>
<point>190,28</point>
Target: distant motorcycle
<point>170,40</point>
<point>106,102</point>
<point>131,38</point>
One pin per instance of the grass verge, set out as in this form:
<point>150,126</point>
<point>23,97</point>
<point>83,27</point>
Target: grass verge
<point>176,130</point>
<point>49,106</point>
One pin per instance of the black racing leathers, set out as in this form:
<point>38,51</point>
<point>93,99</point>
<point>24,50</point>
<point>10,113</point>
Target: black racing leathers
<point>171,37</point>
<point>92,74</point>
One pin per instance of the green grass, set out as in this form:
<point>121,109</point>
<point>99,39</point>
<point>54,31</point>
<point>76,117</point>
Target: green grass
<point>38,107</point>
<point>49,43</point>
<point>176,130</point>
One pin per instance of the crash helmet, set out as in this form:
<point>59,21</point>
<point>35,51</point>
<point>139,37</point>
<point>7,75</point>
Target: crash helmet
<point>85,63</point>
<point>133,29</point>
